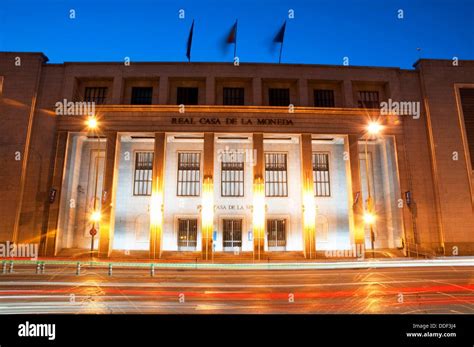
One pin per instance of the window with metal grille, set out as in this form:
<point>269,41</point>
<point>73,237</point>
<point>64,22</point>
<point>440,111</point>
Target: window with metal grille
<point>278,96</point>
<point>322,186</point>
<point>187,233</point>
<point>232,177</point>
<point>323,98</point>
<point>232,233</point>
<point>97,95</point>
<point>276,232</point>
<point>368,99</point>
<point>233,96</point>
<point>189,175</point>
<point>141,95</point>
<point>467,103</point>
<point>187,96</point>
<point>276,174</point>
<point>143,173</point>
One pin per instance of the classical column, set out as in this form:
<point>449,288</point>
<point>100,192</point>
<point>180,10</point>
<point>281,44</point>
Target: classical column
<point>357,211</point>
<point>258,217</point>
<point>157,196</point>
<point>309,207</point>
<point>106,226</point>
<point>48,246</point>
<point>207,208</point>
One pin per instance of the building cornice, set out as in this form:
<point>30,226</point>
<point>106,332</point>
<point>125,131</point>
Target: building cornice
<point>129,118</point>
<point>283,110</point>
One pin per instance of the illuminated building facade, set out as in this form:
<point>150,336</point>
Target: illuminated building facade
<point>176,160</point>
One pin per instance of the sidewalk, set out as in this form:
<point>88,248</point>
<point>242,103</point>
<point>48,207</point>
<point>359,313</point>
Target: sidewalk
<point>262,265</point>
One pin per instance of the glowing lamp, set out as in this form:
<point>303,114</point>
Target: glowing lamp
<point>374,128</point>
<point>309,209</point>
<point>369,218</point>
<point>258,205</point>
<point>156,209</point>
<point>95,216</point>
<point>207,211</point>
<point>92,123</point>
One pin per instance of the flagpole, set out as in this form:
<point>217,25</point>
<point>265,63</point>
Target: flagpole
<point>281,48</point>
<point>190,42</point>
<point>280,38</point>
<point>235,41</point>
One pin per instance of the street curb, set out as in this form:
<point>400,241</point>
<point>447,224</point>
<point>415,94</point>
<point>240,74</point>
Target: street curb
<point>255,266</point>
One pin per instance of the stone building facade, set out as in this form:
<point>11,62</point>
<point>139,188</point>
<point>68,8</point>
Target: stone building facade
<point>210,158</point>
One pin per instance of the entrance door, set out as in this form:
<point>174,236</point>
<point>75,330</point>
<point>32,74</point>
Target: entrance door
<point>276,234</point>
<point>187,234</point>
<point>232,234</point>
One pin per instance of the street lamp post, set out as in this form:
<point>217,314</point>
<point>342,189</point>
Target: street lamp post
<point>369,217</point>
<point>369,207</point>
<point>95,216</point>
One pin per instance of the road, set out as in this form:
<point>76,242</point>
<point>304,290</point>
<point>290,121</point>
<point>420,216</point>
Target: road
<point>389,290</point>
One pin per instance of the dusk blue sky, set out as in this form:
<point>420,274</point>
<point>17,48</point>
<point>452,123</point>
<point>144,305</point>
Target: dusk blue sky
<point>322,32</point>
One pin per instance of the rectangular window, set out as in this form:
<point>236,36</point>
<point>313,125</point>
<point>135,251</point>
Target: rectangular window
<point>143,173</point>
<point>95,94</point>
<point>278,96</point>
<point>232,233</point>
<point>141,95</point>
<point>276,233</point>
<point>321,182</point>
<point>368,99</point>
<point>187,233</point>
<point>187,96</point>
<point>323,98</point>
<point>233,96</point>
<point>276,174</point>
<point>467,103</point>
<point>232,177</point>
<point>189,175</point>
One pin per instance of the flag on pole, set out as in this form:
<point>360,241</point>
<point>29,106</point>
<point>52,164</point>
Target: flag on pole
<point>190,42</point>
<point>280,36</point>
<point>232,38</point>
